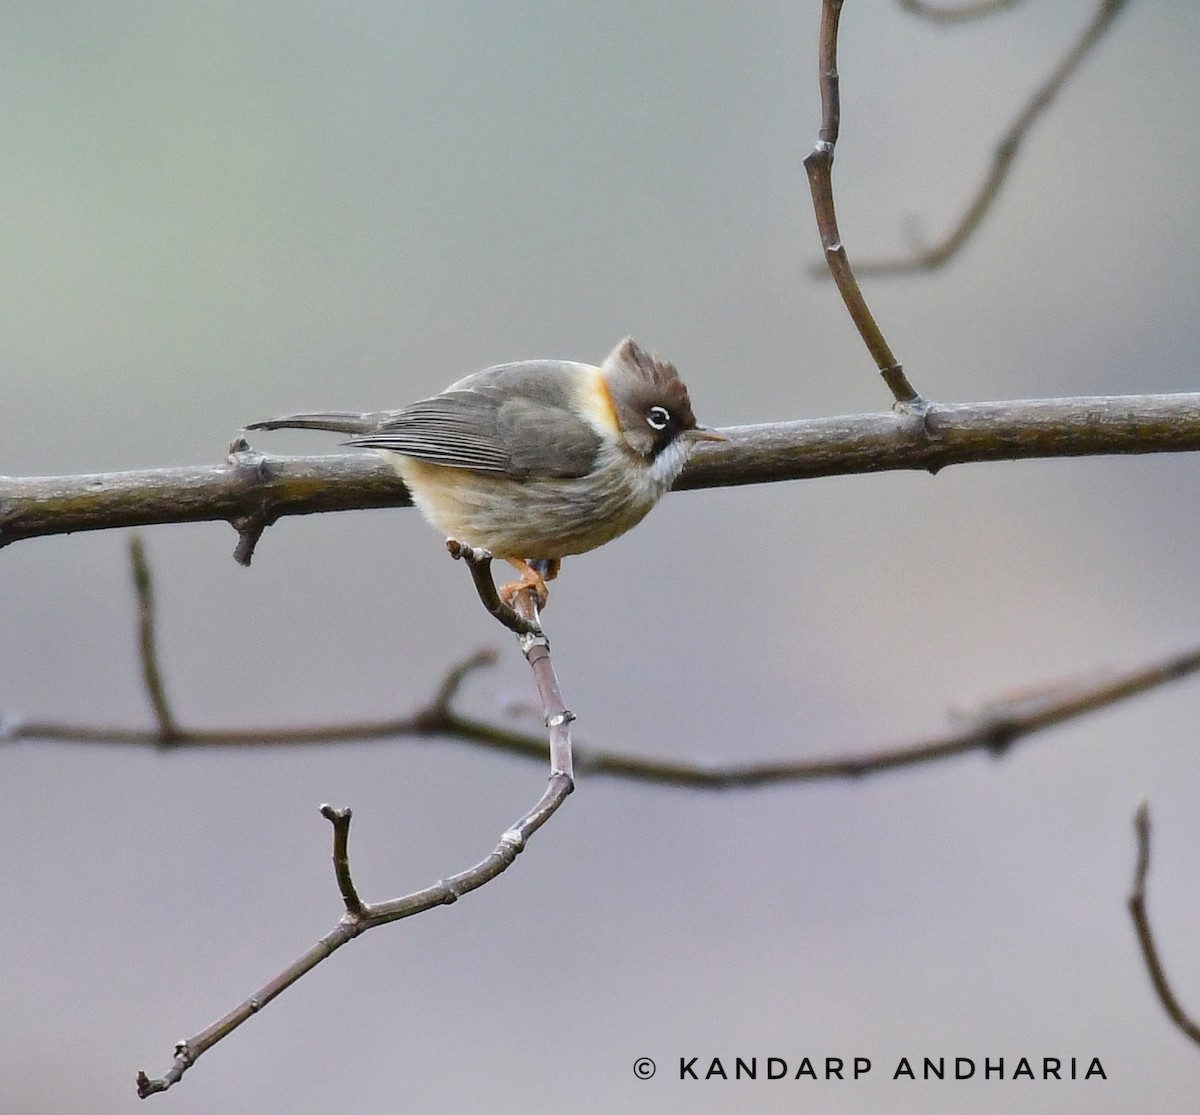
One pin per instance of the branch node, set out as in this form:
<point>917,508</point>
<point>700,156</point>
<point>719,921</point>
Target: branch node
<point>256,468</point>
<point>905,394</point>
<point>513,839</point>
<point>239,450</point>
<point>998,733</point>
<point>532,639</point>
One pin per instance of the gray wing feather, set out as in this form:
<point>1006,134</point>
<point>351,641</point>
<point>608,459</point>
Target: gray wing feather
<point>515,419</point>
<point>457,428</point>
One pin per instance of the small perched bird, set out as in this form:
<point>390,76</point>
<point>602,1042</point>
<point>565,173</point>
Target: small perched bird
<point>535,460</point>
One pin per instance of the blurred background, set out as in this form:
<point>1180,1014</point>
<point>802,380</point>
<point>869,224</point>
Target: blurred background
<point>219,213</point>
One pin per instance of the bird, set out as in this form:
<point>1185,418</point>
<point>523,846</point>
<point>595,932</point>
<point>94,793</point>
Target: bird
<point>537,460</point>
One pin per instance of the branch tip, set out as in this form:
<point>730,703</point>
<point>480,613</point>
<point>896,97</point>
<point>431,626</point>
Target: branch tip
<point>340,819</point>
<point>249,530</point>
<point>334,815</point>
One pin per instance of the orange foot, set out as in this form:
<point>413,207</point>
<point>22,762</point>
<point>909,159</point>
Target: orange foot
<point>534,575</point>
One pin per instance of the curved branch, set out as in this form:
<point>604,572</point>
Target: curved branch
<point>252,491</point>
<point>1141,923</point>
<point>1004,154</point>
<point>819,167</point>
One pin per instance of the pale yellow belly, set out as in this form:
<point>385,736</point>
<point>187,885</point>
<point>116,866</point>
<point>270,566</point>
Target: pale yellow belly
<point>540,518</point>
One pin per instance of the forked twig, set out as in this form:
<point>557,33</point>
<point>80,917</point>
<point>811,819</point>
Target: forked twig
<point>1003,156</point>
<point>360,916</point>
<point>1141,923</point>
<point>819,166</point>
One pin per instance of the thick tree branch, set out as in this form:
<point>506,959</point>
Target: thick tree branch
<point>252,491</point>
<point>1141,923</point>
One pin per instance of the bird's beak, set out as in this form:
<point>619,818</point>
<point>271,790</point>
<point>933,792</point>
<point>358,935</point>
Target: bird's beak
<point>703,433</point>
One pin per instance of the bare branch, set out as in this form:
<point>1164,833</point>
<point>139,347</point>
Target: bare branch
<point>945,434</point>
<point>536,648</point>
<point>959,13</point>
<point>360,916</point>
<point>996,727</point>
<point>1141,923</point>
<point>436,719</point>
<point>1002,157</point>
<point>819,165</point>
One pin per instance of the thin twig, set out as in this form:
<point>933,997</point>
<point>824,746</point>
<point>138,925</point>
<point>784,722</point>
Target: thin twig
<point>819,165</point>
<point>1141,923</point>
<point>1003,156</point>
<point>360,916</point>
<point>340,819</point>
<point>958,13</point>
<point>479,562</point>
<point>536,648</point>
<point>168,726</point>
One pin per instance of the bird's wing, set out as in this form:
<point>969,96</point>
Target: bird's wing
<point>515,420</point>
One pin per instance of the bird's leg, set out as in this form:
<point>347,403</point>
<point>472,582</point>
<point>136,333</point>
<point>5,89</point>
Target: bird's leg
<point>534,575</point>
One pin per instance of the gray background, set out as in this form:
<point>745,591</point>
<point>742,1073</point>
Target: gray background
<point>222,212</point>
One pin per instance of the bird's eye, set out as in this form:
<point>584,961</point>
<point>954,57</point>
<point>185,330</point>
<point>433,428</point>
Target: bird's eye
<point>658,417</point>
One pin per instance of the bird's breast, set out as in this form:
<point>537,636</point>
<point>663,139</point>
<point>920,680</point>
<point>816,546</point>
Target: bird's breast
<point>540,517</point>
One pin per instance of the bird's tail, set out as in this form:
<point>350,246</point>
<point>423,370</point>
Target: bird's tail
<point>338,421</point>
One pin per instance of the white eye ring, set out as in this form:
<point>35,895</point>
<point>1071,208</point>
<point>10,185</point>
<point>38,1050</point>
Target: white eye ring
<point>658,417</point>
